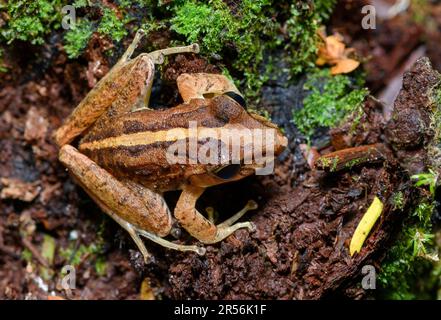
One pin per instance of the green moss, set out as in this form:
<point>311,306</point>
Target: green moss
<point>328,104</point>
<point>411,269</point>
<point>93,252</point>
<point>81,3</point>
<point>324,162</point>
<point>248,30</point>
<point>212,24</point>
<point>398,200</point>
<point>335,161</point>
<point>3,68</point>
<point>252,29</point>
<point>112,26</point>
<point>354,162</point>
<point>31,20</point>
<point>26,255</point>
<point>429,179</point>
<point>409,263</point>
<point>76,39</point>
<point>202,22</point>
<point>302,27</point>
<point>101,266</point>
<point>109,24</point>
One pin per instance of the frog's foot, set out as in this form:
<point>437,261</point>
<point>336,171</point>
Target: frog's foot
<point>201,228</point>
<point>171,245</point>
<point>135,233</point>
<point>251,205</point>
<point>158,55</point>
<point>228,227</point>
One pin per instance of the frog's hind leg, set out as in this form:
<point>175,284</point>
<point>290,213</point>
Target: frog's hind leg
<point>137,209</point>
<point>203,85</point>
<point>201,228</point>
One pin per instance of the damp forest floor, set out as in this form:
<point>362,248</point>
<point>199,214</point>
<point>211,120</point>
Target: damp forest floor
<point>305,217</point>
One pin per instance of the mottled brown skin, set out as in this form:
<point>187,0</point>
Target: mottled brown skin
<point>121,158</point>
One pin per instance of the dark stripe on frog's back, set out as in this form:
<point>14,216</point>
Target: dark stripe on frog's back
<point>127,158</point>
<point>134,123</point>
<point>108,157</point>
<point>154,120</point>
<point>145,164</point>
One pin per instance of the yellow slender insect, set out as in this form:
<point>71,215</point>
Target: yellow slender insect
<point>365,225</point>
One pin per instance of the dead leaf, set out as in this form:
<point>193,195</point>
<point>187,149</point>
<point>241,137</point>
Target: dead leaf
<point>49,191</point>
<point>146,292</point>
<point>334,52</point>
<point>344,66</point>
<point>18,189</point>
<point>36,126</point>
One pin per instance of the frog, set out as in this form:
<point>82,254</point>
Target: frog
<point>116,148</point>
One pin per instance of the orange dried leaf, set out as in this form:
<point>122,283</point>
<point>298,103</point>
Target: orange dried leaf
<point>334,52</point>
<point>344,66</point>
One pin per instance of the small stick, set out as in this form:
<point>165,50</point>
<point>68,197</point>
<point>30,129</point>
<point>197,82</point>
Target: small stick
<point>347,158</point>
<point>35,252</point>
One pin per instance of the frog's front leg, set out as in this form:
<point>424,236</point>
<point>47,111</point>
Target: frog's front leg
<point>201,228</point>
<point>137,209</point>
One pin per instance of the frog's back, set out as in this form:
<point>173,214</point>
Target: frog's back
<point>134,145</point>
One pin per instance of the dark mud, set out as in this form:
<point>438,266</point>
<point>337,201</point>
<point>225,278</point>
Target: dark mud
<point>300,248</point>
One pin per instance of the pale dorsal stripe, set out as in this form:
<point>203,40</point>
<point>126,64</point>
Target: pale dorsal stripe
<point>170,135</point>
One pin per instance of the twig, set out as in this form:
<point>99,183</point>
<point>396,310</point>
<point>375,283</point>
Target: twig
<point>35,252</point>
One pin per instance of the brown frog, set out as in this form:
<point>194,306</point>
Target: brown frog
<point>124,162</point>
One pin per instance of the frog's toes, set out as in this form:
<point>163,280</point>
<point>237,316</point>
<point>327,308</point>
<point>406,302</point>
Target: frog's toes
<point>251,205</point>
<point>195,48</point>
<point>252,226</point>
<point>201,251</point>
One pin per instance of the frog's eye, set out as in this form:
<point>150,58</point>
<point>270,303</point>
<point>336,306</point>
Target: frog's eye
<point>227,172</point>
<point>237,97</point>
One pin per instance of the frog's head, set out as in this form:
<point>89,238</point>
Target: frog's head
<point>239,143</point>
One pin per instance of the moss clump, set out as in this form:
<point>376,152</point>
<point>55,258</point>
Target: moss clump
<point>108,24</point>
<point>332,98</point>
<point>30,20</point>
<point>75,255</point>
<point>302,29</point>
<point>408,270</point>
<point>354,162</point>
<point>112,26</point>
<point>398,200</point>
<point>411,269</point>
<point>201,22</point>
<point>241,35</point>
<point>216,28</point>
<point>77,38</point>
<point>252,30</point>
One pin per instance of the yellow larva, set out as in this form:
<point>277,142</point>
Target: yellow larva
<point>365,225</point>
